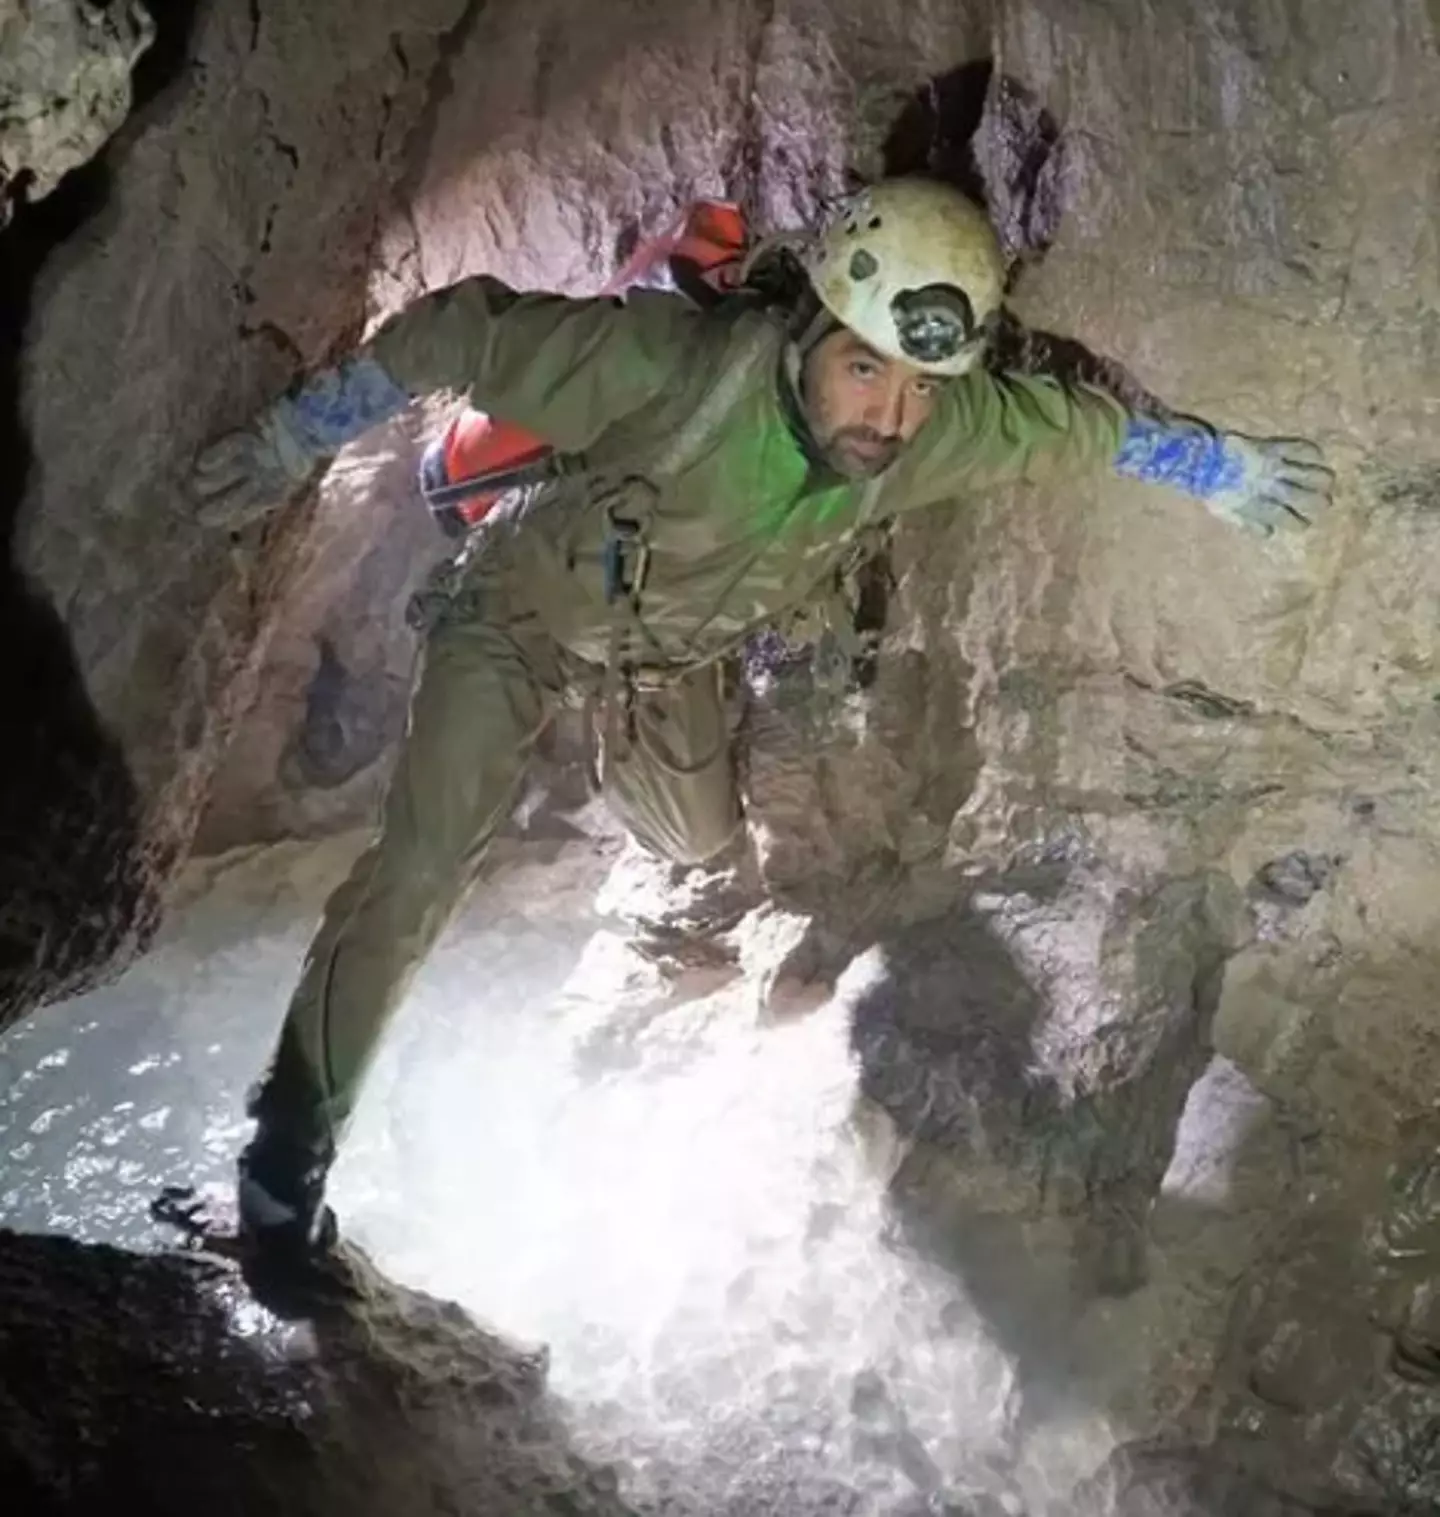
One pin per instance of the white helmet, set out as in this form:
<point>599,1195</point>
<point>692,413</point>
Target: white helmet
<point>914,269</point>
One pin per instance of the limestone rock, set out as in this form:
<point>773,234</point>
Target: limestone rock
<point>64,86</point>
<point>1038,1048</point>
<point>137,1380</point>
<point>1159,1482</point>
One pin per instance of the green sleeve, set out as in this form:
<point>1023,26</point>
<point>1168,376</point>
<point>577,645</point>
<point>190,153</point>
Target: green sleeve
<point>566,369</point>
<point>1000,429</point>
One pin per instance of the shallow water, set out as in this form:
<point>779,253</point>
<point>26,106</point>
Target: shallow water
<point>673,1197</point>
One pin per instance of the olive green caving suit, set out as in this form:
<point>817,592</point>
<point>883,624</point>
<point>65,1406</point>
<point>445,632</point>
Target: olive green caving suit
<point>742,531</point>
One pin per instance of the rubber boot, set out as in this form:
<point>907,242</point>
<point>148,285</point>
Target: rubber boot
<point>281,1193</point>
<point>289,1236</point>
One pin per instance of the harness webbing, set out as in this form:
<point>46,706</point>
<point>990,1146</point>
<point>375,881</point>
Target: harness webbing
<point>626,544</point>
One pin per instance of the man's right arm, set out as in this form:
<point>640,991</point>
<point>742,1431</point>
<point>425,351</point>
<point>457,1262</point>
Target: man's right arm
<point>563,368</point>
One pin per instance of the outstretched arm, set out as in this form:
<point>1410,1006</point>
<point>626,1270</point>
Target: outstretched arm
<point>1004,429</point>
<point>1264,485</point>
<point>564,368</point>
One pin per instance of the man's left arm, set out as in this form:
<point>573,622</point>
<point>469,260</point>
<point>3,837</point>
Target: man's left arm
<point>1263,484</point>
<point>1005,429</point>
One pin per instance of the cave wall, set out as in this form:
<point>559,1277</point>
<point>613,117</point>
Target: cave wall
<point>161,292</point>
<point>1101,682</point>
<point>1240,227</point>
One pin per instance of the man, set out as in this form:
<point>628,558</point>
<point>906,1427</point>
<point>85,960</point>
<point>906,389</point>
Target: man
<point>715,469</point>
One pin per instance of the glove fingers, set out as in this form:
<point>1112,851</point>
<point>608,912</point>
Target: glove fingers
<point>237,508</point>
<point>1292,508</point>
<point>236,481</point>
<point>223,465</point>
<point>1254,516</point>
<point>1298,450</point>
<point>1313,477</point>
<point>1298,464</point>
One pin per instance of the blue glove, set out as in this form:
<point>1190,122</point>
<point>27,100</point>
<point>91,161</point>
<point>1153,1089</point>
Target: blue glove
<point>249,473</point>
<point>1264,485</point>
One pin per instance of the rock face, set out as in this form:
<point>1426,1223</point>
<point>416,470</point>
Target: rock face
<point>64,87</point>
<point>1039,1048</point>
<point>142,1382</point>
<point>1109,749</point>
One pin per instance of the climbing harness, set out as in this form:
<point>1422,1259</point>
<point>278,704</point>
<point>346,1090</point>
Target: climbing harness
<point>479,459</point>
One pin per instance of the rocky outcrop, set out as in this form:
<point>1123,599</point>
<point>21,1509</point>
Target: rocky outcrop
<point>64,87</point>
<point>147,1383</point>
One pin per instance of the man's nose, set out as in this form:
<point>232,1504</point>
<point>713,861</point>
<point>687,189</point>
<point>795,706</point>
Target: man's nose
<point>886,413</point>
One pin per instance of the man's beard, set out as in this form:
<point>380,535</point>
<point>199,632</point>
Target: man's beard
<point>859,452</point>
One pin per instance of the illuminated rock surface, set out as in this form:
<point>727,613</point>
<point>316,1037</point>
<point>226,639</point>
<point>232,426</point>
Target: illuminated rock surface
<point>1128,853</point>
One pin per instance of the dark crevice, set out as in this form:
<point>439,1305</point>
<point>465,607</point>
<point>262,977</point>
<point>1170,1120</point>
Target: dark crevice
<point>167,57</point>
<point>287,150</point>
<point>72,880</point>
<point>415,152</point>
<point>743,171</point>
<point>874,581</point>
<point>387,109</point>
<point>938,133</point>
<point>1018,349</point>
<point>935,132</point>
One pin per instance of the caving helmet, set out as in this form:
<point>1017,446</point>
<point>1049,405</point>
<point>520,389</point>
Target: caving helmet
<point>914,269</point>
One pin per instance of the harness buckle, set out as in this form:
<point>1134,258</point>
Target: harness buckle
<point>624,533</point>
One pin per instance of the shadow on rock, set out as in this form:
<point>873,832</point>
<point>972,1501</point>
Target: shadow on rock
<point>150,1383</point>
<point>1337,1349</point>
<point>1032,1053</point>
<point>78,892</point>
<point>75,888</point>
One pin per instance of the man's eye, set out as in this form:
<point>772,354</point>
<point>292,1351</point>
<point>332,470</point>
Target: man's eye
<point>862,370</point>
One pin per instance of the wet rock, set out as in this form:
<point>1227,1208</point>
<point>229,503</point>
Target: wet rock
<point>682,917</point>
<point>1395,1448</point>
<point>150,1382</point>
<point>1417,1344</point>
<point>1295,878</point>
<point>1325,1345</point>
<point>1145,1481</point>
<point>1310,1364</point>
<point>1038,1047</point>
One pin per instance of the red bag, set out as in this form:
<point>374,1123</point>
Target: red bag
<point>704,253</point>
